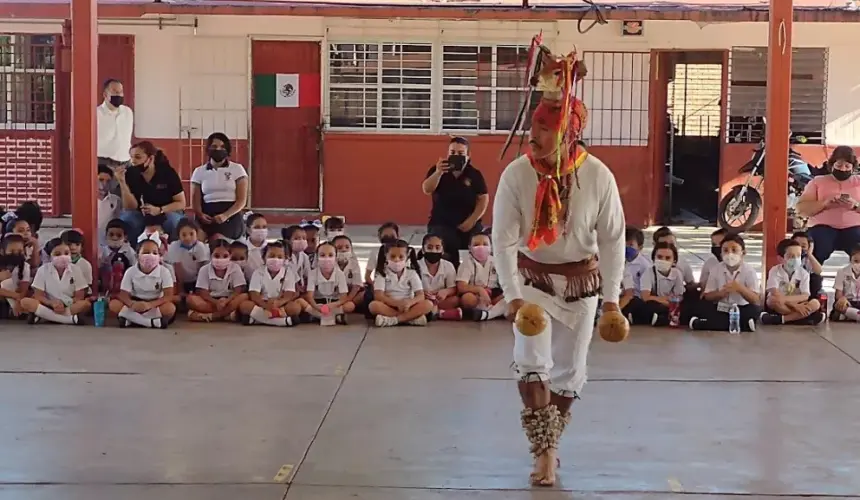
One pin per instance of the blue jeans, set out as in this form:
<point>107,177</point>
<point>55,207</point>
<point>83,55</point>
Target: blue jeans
<point>827,240</point>
<point>134,220</point>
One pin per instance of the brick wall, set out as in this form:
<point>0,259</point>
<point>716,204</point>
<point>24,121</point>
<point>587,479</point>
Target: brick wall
<point>26,166</point>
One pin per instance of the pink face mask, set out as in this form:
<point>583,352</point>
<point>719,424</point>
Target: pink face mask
<point>481,253</point>
<point>259,234</point>
<point>397,265</point>
<point>274,265</point>
<point>220,264</point>
<point>61,261</point>
<point>326,263</point>
<point>148,261</point>
<point>299,245</point>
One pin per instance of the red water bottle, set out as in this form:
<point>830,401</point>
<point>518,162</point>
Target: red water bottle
<point>116,274</point>
<point>822,299</point>
<point>675,311</point>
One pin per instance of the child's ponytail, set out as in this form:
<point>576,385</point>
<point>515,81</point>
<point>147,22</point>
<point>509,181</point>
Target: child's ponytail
<point>413,259</point>
<point>381,260</point>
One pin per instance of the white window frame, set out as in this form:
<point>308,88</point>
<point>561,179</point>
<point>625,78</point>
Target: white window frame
<point>7,75</point>
<point>380,87</point>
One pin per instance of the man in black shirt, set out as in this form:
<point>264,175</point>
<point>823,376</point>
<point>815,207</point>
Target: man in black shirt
<point>459,199</point>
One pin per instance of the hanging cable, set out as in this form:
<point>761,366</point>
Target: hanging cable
<point>598,17</point>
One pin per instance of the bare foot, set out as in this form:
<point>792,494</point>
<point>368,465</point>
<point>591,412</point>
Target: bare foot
<point>198,316</point>
<point>544,470</point>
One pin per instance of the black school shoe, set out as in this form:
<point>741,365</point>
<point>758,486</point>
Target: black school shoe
<point>815,318</point>
<point>771,319</point>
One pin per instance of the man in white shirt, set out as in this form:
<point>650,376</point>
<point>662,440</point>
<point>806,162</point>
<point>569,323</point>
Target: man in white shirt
<point>114,125</point>
<point>548,257</point>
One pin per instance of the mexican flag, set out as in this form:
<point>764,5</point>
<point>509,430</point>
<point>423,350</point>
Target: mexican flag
<point>287,90</point>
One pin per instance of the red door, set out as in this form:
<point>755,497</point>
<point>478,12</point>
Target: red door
<point>285,125</point>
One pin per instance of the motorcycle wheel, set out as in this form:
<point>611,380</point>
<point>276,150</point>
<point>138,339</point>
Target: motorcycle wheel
<point>736,214</point>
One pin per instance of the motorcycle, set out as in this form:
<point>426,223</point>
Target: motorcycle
<point>744,199</point>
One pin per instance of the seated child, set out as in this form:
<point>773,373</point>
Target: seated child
<point>348,263</point>
<point>312,232</point>
<point>146,293</point>
<point>59,289</point>
<point>397,291</point>
<point>220,287</point>
<point>387,233</point>
<point>327,286</point>
<point>730,282</point>
<point>295,242</point>
<point>14,274</point>
<point>258,235</point>
<point>239,255</point>
<point>716,256</point>
<point>810,263</point>
<point>334,227</point>
<point>271,291</point>
<point>847,287</point>
<point>32,252</point>
<point>439,279</point>
<point>665,235</point>
<point>788,299</point>
<point>75,240</point>
<point>635,266</point>
<point>478,281</point>
<point>660,284</point>
<point>115,257</point>
<point>109,205</point>
<point>187,255</point>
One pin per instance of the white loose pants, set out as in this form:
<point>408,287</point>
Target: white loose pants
<point>559,354</point>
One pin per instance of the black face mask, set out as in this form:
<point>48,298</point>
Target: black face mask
<point>842,175</point>
<point>387,240</point>
<point>218,155</point>
<point>717,252</point>
<point>11,261</point>
<point>432,257</point>
<point>116,100</point>
<point>457,163</point>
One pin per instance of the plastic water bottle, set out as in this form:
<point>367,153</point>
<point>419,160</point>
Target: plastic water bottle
<point>675,311</point>
<point>735,320</point>
<point>100,311</point>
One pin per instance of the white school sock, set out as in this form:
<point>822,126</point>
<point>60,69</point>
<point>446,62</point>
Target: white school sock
<point>853,314</point>
<point>260,315</point>
<point>48,314</point>
<point>137,318</point>
<point>498,310</point>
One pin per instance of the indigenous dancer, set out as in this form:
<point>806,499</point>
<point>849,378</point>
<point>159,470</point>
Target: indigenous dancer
<point>556,209</point>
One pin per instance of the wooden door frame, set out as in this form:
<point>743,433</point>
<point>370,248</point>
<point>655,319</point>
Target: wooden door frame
<point>657,109</point>
<point>323,78</point>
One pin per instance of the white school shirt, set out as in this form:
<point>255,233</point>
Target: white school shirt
<point>106,254</point>
<point>686,270</point>
<point>58,287</point>
<point>114,128</point>
<point>633,271</point>
<point>709,264</point>
<point>330,288</point>
<point>86,270</point>
<point>143,286</point>
<point>352,271</point>
<point>270,286</point>
<point>218,184</point>
<point>673,284</point>
<point>474,273</point>
<point>219,286</point>
<point>796,284</point>
<point>373,261</point>
<point>189,260</point>
<point>400,287</point>
<point>255,257</point>
<point>720,275</point>
<point>848,283</point>
<point>446,276</point>
<point>11,284</point>
<point>300,265</point>
<point>108,209</point>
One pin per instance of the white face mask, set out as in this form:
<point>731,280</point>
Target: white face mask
<point>732,259</point>
<point>855,268</point>
<point>663,266</point>
<point>792,264</point>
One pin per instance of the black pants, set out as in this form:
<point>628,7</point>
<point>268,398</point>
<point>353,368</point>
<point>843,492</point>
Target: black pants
<point>643,312</point>
<point>690,305</point>
<point>816,284</point>
<point>454,240</point>
<point>719,321</point>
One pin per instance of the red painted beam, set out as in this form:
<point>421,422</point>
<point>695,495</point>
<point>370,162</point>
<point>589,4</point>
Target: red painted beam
<point>83,123</point>
<point>776,136</point>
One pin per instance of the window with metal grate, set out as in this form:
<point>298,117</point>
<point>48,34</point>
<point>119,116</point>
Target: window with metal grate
<point>748,93</point>
<point>27,84</point>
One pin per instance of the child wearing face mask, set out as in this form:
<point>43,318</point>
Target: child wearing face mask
<point>327,286</point>
<point>439,279</point>
<point>32,254</point>
<point>296,242</point>
<point>257,229</point>
<point>847,289</point>
<point>220,287</point>
<point>109,205</point>
<point>271,291</point>
<point>478,281</point>
<point>59,289</point>
<point>715,257</point>
<point>810,263</point>
<point>397,290</point>
<point>731,282</point>
<point>348,263</point>
<point>692,287</point>
<point>115,257</point>
<point>239,254</point>
<point>147,290</point>
<point>14,275</point>
<point>334,227</point>
<point>788,298</point>
<point>662,282</point>
<point>636,264</point>
<point>187,255</point>
<point>75,241</point>
<point>312,232</point>
<point>388,232</point>
<point>154,225</point>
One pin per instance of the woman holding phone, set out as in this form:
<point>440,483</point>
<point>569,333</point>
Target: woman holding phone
<point>832,203</point>
<point>459,199</point>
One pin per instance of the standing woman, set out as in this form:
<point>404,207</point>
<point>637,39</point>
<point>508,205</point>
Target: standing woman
<point>219,191</point>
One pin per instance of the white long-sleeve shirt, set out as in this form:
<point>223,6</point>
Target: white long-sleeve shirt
<point>114,129</point>
<point>595,226</point>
